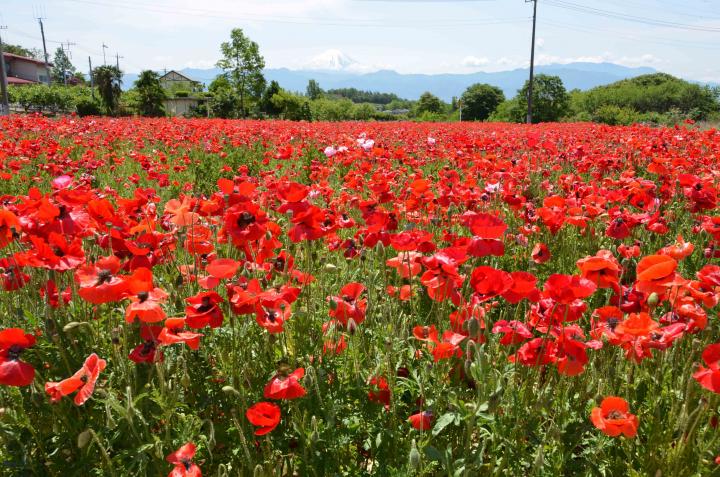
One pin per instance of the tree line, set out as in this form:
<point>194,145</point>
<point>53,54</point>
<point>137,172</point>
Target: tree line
<point>241,91</point>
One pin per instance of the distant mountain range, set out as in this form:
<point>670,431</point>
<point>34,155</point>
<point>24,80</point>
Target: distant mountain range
<point>338,72</point>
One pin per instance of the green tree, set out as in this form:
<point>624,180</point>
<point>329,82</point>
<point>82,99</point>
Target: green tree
<point>22,51</point>
<point>267,105</point>
<point>291,106</point>
<point>150,94</point>
<point>550,99</point>
<point>108,80</point>
<point>243,67</point>
<point>62,67</point>
<point>313,90</point>
<point>223,100</point>
<point>479,101</point>
<point>428,103</point>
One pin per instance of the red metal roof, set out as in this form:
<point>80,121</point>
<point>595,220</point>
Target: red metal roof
<point>14,80</point>
<point>24,58</point>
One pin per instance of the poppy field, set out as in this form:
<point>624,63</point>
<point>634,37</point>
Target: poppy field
<point>269,298</point>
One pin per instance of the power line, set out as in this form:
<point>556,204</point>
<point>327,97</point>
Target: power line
<point>629,18</point>
<point>196,12</point>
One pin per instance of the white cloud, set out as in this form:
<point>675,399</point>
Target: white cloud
<point>474,61</point>
<point>540,43</point>
<point>200,64</point>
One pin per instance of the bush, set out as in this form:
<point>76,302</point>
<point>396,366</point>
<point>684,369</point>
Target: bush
<point>88,107</point>
<point>615,115</point>
<point>182,94</point>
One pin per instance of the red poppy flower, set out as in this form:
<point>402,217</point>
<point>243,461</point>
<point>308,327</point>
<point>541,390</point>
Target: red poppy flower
<point>204,310</point>
<point>709,377</point>
<point>285,386</point>
<point>514,332</point>
<point>349,305</point>
<point>100,283</point>
<point>655,273</point>
<point>9,227</point>
<point>263,414</point>
<point>489,282</point>
<point>567,288</point>
<point>82,381</point>
<point>637,324</point>
<point>174,332</point>
<point>182,459</point>
<point>380,391</point>
<point>422,420</point>
<point>540,253</point>
<point>602,269</point>
<point>523,287</point>
<point>11,275</point>
<point>148,352</point>
<point>273,316</point>
<point>13,372</point>
<point>679,250</point>
<point>613,418</point>
<point>426,333</point>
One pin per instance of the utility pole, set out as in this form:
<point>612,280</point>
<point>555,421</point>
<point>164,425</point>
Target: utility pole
<point>532,63</point>
<point>117,60</point>
<point>47,61</point>
<point>104,47</point>
<point>92,82</point>
<point>4,105</point>
<point>69,56</point>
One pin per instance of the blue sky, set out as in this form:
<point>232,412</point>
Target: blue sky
<point>418,36</point>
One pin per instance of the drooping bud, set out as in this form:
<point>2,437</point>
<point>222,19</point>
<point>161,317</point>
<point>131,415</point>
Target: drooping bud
<point>414,457</point>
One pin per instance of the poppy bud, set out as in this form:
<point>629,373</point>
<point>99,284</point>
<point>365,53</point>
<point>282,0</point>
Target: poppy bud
<point>258,471</point>
<point>84,438</point>
<point>72,325</point>
<point>468,367</point>
<point>329,267</point>
<point>653,300</point>
<point>185,381</point>
<point>414,458</point>
<point>473,327</point>
<point>230,390</point>
<point>314,435</point>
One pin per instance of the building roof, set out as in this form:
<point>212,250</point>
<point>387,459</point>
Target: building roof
<point>13,56</point>
<point>185,78</point>
<point>15,80</point>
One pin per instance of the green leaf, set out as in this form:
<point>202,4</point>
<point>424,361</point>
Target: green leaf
<point>433,453</point>
<point>443,422</point>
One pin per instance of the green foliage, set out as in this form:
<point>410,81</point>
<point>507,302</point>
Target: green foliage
<point>428,103</point>
<point>150,94</point>
<point>266,103</point>
<point>479,101</point>
<point>223,103</point>
<point>551,101</point>
<point>510,111</point>
<point>62,67</point>
<point>243,67</point>
<point>359,96</point>
<point>22,51</point>
<point>88,107</point>
<point>291,106</point>
<point>108,80</point>
<point>654,93</point>
<point>313,90</point>
<point>615,115</point>
<point>43,98</point>
<point>332,110</point>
